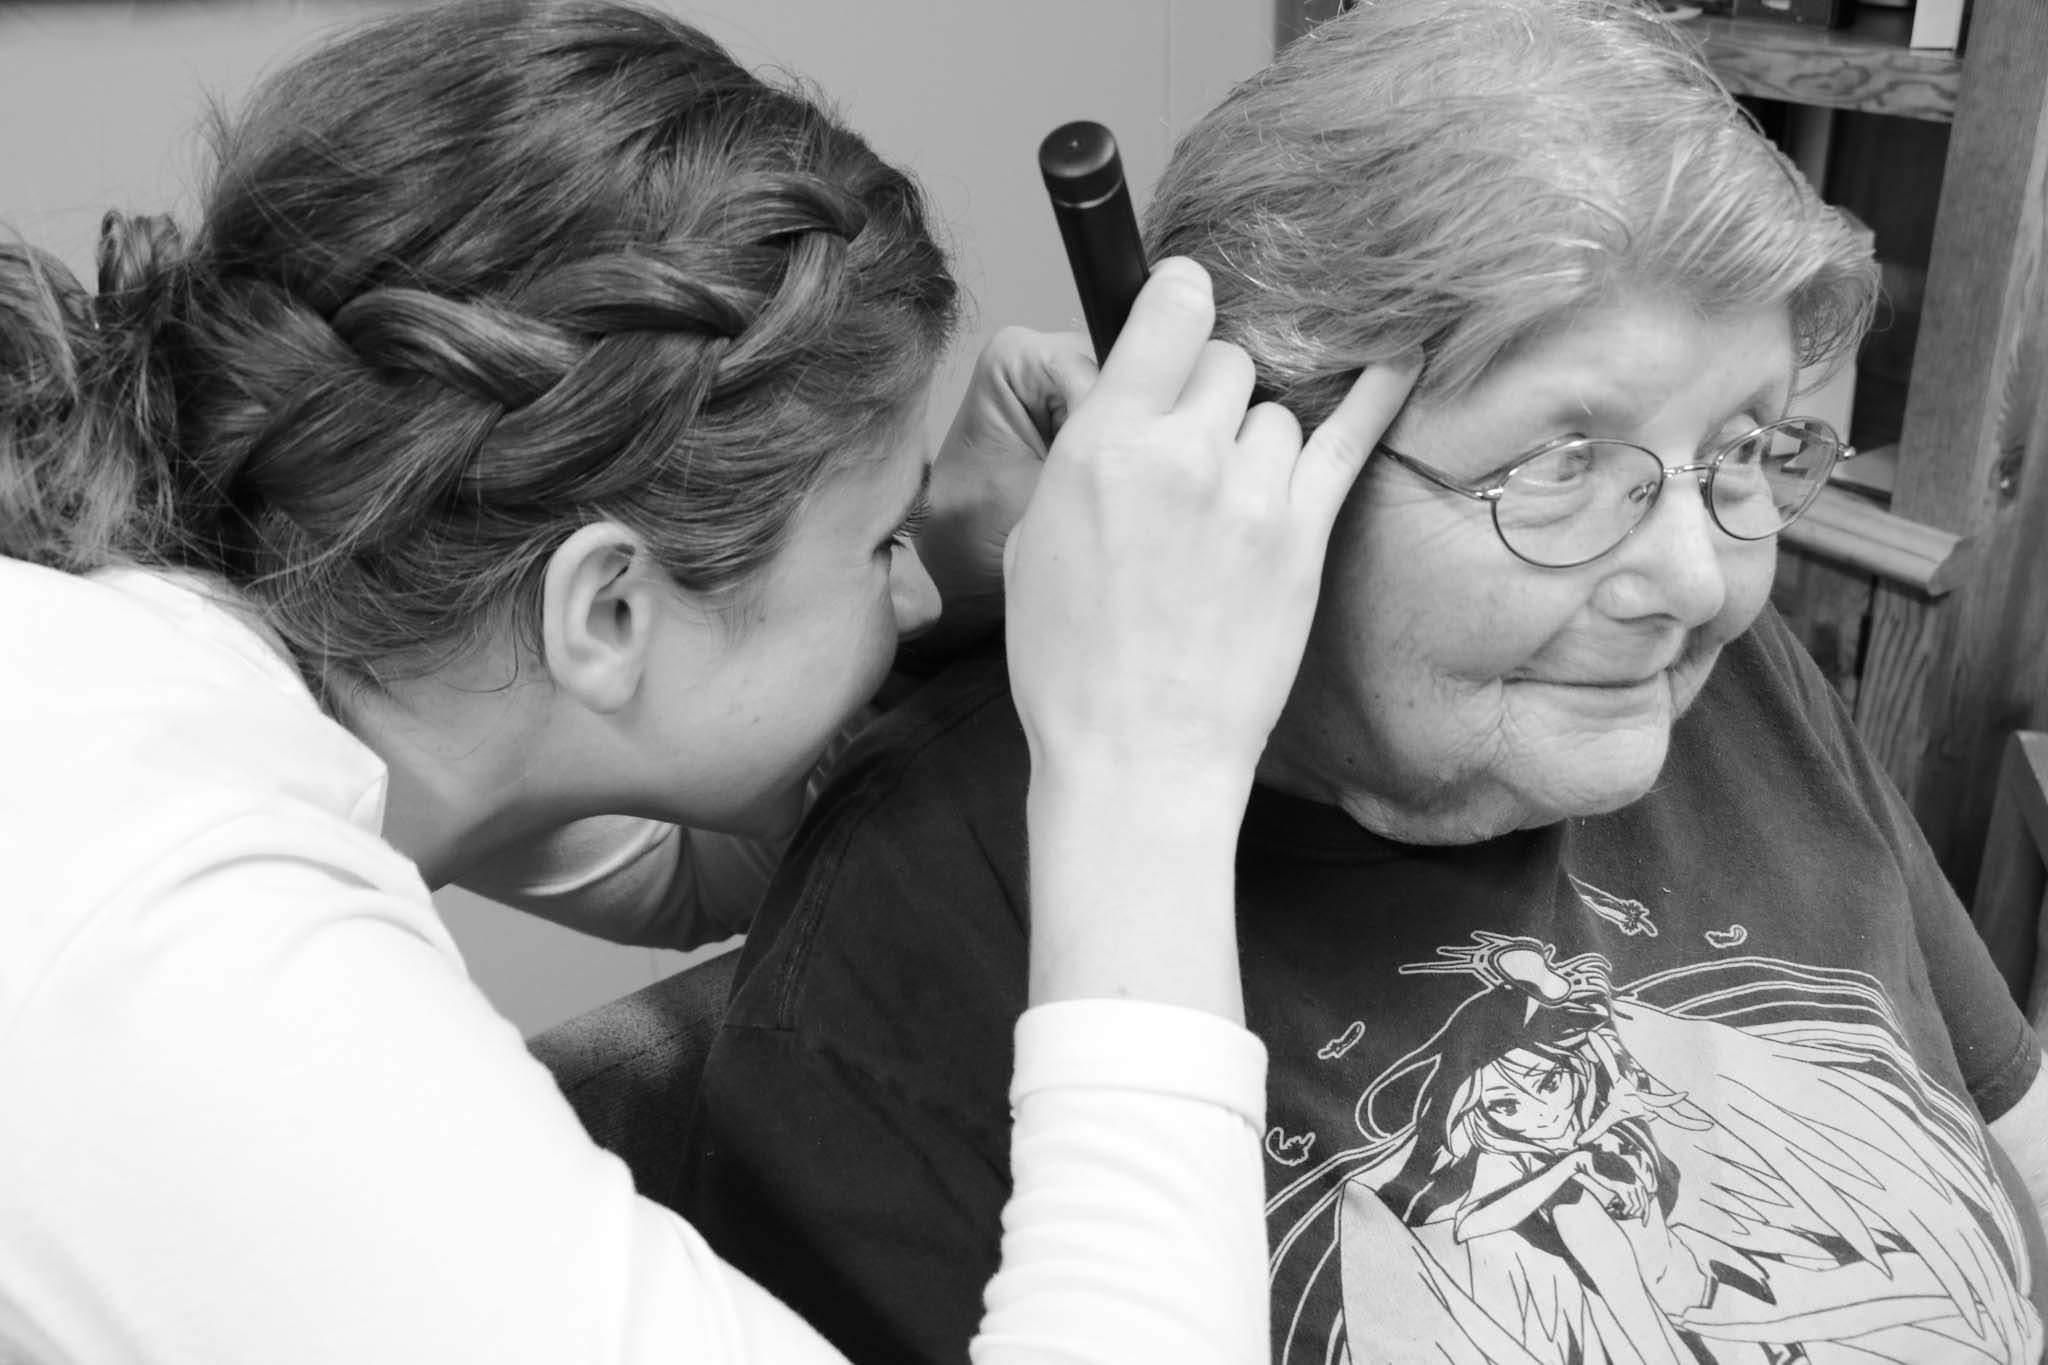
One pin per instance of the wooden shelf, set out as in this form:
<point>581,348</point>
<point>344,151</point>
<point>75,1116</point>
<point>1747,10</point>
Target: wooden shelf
<point>1866,67</point>
<point>1853,530</point>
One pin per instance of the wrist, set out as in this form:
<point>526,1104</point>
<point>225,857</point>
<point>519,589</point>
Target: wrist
<point>1133,890</point>
<point>1169,802</point>
<point>1161,788</point>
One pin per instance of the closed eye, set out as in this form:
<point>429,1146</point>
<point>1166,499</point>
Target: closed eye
<point>913,521</point>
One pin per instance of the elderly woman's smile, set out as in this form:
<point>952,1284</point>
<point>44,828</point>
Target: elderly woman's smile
<point>1452,690</point>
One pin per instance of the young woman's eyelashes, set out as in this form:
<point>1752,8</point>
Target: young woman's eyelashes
<point>913,522</point>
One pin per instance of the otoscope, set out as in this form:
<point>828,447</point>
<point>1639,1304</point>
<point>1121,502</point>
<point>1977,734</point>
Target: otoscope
<point>1085,177</point>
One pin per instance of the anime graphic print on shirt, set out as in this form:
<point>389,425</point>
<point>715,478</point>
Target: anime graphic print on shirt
<point>1736,1160</point>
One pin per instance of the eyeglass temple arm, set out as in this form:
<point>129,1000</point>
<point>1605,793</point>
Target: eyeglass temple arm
<point>1437,477</point>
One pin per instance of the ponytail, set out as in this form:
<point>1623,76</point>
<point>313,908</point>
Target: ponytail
<point>84,428</point>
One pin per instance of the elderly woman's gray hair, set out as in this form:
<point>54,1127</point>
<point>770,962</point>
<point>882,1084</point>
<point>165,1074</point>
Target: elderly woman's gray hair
<point>1460,175</point>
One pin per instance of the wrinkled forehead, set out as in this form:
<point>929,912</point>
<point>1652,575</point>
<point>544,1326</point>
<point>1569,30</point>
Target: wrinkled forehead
<point>1628,369</point>
<point>1595,340</point>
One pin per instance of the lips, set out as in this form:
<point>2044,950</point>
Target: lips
<point>1616,672</point>
<point>1604,684</point>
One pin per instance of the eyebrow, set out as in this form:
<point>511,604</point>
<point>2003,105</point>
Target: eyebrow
<point>1771,393</point>
<point>1775,394</point>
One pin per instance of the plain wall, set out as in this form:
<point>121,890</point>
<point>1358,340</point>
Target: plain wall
<point>100,104</point>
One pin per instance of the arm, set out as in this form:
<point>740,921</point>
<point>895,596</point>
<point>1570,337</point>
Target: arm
<point>1159,593</point>
<point>1024,384</point>
<point>1507,1207</point>
<point>1160,589</point>
<point>297,1093</point>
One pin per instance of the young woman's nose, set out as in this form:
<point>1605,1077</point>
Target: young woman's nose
<point>912,593</point>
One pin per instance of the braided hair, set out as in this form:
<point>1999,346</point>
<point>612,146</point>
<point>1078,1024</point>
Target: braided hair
<point>465,280</point>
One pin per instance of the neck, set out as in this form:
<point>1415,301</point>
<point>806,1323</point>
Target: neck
<point>469,771</point>
<point>1403,823</point>
<point>1321,752</point>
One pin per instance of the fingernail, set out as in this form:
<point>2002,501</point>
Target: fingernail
<point>1183,266</point>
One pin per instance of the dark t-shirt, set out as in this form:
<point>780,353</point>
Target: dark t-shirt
<point>1699,1080</point>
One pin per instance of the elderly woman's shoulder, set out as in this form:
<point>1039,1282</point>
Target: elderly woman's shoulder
<point>1770,659</point>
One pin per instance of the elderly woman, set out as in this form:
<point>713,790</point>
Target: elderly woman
<point>1617,1010</point>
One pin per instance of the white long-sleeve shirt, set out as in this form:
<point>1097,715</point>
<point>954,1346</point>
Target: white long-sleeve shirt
<point>252,1110</point>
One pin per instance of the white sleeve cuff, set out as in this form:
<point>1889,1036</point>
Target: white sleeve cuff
<point>1142,1046</point>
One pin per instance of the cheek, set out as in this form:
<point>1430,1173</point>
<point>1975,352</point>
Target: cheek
<point>835,653</point>
<point>1438,603</point>
<point>863,630</point>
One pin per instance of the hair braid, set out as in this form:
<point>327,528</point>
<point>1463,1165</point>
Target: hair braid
<point>477,275</point>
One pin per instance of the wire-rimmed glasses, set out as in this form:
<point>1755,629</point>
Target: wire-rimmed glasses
<point>1571,501</point>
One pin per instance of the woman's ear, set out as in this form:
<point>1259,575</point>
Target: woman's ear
<point>600,609</point>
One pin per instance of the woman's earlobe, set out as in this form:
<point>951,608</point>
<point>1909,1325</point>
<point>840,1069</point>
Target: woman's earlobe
<point>598,616</point>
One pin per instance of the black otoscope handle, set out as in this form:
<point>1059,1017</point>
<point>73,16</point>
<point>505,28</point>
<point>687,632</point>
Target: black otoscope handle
<point>1085,178</point>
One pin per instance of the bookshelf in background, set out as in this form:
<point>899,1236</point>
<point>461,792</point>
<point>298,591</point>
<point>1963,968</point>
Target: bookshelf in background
<point>1943,155</point>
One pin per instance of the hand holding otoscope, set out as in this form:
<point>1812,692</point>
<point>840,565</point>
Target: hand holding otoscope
<point>1171,391</point>
<point>1084,175</point>
<point>1198,516</point>
<point>1023,388</point>
<point>1158,592</point>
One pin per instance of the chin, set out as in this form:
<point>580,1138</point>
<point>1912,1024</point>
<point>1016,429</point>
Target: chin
<point>1594,786</point>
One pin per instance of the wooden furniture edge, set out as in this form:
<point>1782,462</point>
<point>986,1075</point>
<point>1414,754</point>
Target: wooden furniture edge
<point>1856,531</point>
<point>1850,68</point>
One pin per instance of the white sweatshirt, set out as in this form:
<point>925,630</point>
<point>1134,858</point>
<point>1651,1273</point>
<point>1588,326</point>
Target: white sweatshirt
<point>252,1111</point>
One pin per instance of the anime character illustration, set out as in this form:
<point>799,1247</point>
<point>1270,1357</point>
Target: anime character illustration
<point>1731,1162</point>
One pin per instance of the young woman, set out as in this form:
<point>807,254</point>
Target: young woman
<point>527,434</point>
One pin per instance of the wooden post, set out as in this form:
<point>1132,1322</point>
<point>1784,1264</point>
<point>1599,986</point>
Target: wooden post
<point>1946,681</point>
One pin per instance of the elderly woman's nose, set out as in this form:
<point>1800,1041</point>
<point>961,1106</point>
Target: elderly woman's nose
<point>1675,559</point>
<point>912,594</point>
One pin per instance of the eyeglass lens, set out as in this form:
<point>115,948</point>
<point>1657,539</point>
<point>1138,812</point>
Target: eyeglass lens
<point>1579,501</point>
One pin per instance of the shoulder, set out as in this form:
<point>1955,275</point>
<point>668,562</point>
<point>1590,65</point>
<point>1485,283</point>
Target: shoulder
<point>933,787</point>
<point>155,744</point>
<point>1763,670</point>
<point>1766,708</point>
<point>1767,668</point>
<point>958,730</point>
<point>893,935</point>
